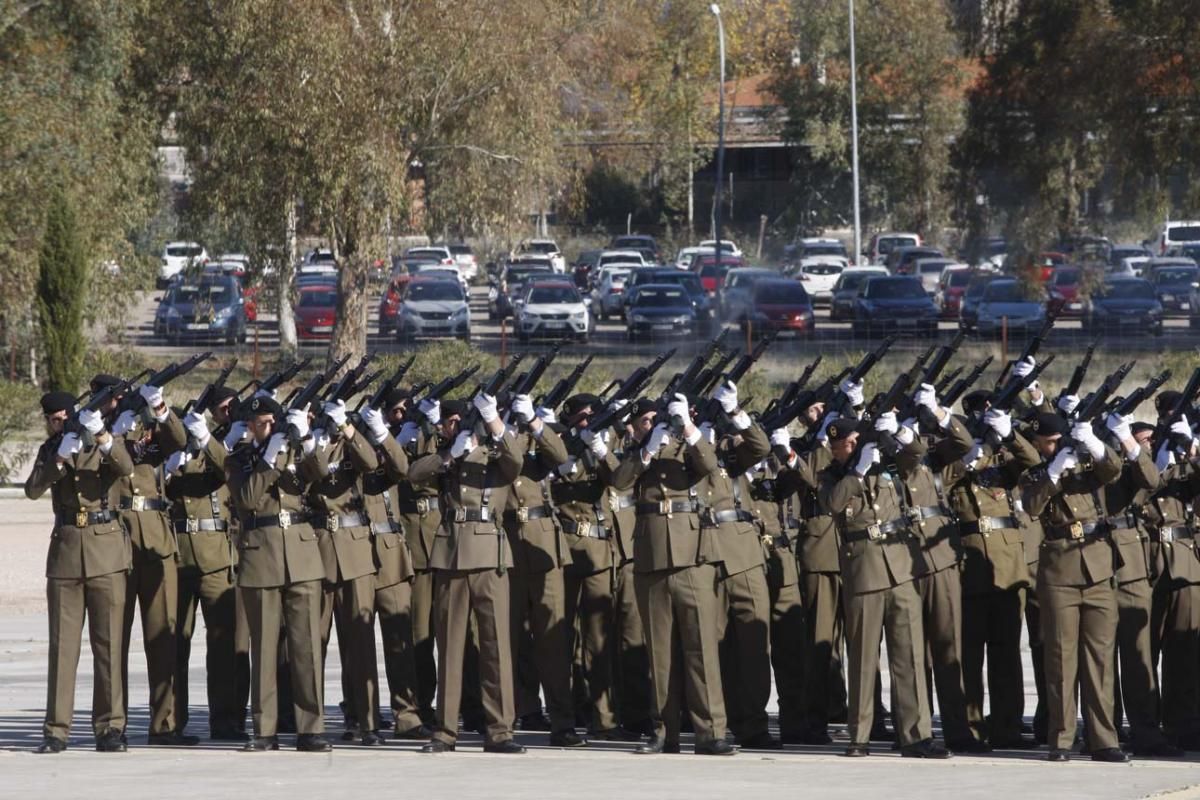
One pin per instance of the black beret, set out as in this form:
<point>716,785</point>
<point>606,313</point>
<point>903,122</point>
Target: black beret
<point>104,379</point>
<point>454,408</point>
<point>577,402</point>
<point>220,394</point>
<point>1165,401</point>
<point>1048,423</point>
<point>643,405</point>
<point>57,401</point>
<point>1141,427</point>
<point>396,396</point>
<point>260,405</point>
<point>976,400</point>
<point>841,428</point>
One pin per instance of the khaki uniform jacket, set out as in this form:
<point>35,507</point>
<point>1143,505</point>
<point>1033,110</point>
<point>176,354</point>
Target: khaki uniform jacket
<point>817,544</point>
<point>420,529</point>
<point>667,541</point>
<point>538,545</point>
<point>149,529</point>
<point>1139,479</point>
<point>738,544</point>
<point>199,492</point>
<point>622,507</point>
<point>774,525</point>
<point>1077,497</point>
<point>392,555</point>
<point>857,503</point>
<point>83,483</point>
<point>995,559</point>
<point>1171,507</point>
<point>270,556</point>
<point>347,552</point>
<point>488,470</point>
<point>582,497</point>
<point>940,542</point>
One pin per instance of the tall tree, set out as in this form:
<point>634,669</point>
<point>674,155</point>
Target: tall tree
<point>61,286</point>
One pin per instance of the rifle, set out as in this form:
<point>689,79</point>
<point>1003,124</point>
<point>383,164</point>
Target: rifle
<point>784,414</point>
<point>860,371</point>
<point>893,400</point>
<point>626,391</point>
<point>1072,387</point>
<point>527,381</point>
<point>1091,406</point>
<point>793,389</point>
<point>97,402</point>
<point>960,388</point>
<point>278,378</point>
<point>934,367</point>
<point>493,386</point>
<point>133,401</point>
<point>201,403</point>
<point>386,388</point>
<point>711,409</point>
<point>947,379</point>
<point>346,386</point>
<point>565,387</point>
<point>1031,347</point>
<point>1007,397</point>
<point>1176,412</point>
<point>1126,406</point>
<point>304,397</point>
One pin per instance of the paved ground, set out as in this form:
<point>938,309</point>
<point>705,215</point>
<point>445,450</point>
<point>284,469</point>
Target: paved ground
<point>602,771</point>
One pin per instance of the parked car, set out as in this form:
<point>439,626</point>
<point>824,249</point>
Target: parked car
<point>211,307</point>
<point>584,269</point>
<point>841,303</point>
<point>930,270</point>
<point>554,308</point>
<point>728,248</point>
<point>1126,305</point>
<point>702,303</point>
<point>316,310</point>
<point>661,310</point>
<point>318,260</point>
<point>442,273</point>
<point>626,257</point>
<point>819,277</point>
<point>433,307</point>
<point>646,245</point>
<point>816,247</point>
<point>1190,250</point>
<point>894,303</point>
<point>609,289</point>
<point>952,284</point>
<point>1173,280</point>
<point>900,260</point>
<point>712,271</point>
<point>1006,302</point>
<point>882,243</point>
<point>1063,289</point>
<point>1123,250</point>
<point>177,257</point>
<point>504,291</point>
<point>968,310</point>
<point>736,291</point>
<point>685,256</point>
<point>781,305</point>
<point>438,253</point>
<point>464,259</point>
<point>1176,232</point>
<point>544,247</point>
<point>1049,261</point>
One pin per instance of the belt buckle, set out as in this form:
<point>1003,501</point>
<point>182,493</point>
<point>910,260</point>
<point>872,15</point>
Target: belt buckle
<point>664,507</point>
<point>1076,530</point>
<point>1166,536</point>
<point>584,528</point>
<point>332,523</point>
<point>422,505</point>
<point>985,525</point>
<point>191,524</point>
<point>522,514</point>
<point>914,516</point>
<point>285,519</point>
<point>81,519</point>
<point>874,532</point>
<point>137,503</point>
<point>460,515</point>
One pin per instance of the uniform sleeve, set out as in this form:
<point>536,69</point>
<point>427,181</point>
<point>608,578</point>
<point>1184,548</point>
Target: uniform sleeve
<point>954,443</point>
<point>1143,472</point>
<point>629,470</point>
<point>835,494</point>
<point>46,471</point>
<point>214,453</point>
<point>425,470</point>
<point>362,454</point>
<point>701,458</point>
<point>1038,492</point>
<point>910,457</point>
<point>1108,469</point>
<point>118,463</point>
<point>508,464</point>
<point>313,465</point>
<point>171,434</point>
<point>551,449</point>
<point>248,488</point>
<point>393,458</point>
<point>753,448</point>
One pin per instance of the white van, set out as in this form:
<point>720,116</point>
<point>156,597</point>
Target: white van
<point>1173,234</point>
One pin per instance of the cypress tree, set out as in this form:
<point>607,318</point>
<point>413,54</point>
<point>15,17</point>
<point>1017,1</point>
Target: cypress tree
<point>62,281</point>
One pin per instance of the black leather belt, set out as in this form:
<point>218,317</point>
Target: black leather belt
<point>1122,522</point>
<point>926,512</point>
<point>526,513</point>
<point>422,505</point>
<point>711,519</point>
<point>879,532</point>
<point>333,522</point>
<point>472,515</point>
<point>386,527</point>
<point>142,503</point>
<point>194,525</point>
<point>591,530</point>
<point>623,501</point>
<point>792,524</point>
<point>1173,533</point>
<point>284,519</point>
<point>668,507</point>
<point>988,524</point>
<point>1078,531</point>
<point>81,519</point>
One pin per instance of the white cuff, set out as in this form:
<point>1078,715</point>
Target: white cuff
<point>695,437</point>
<point>107,447</point>
<point>203,443</point>
<point>946,419</point>
<point>309,444</point>
<point>741,420</point>
<point>905,436</point>
<point>1132,455</point>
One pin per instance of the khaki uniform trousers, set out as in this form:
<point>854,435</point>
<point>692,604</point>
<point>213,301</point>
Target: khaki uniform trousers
<point>1037,653</point>
<point>298,606</point>
<point>824,679</point>
<point>1136,687</point>
<point>680,608</point>
<point>352,603</point>
<point>459,596</point>
<point>227,655</point>
<point>423,639</point>
<point>896,614</point>
<point>942,607</point>
<point>1177,637</point>
<point>992,629</point>
<point>589,607</point>
<point>393,605</point>
<point>1079,621</point>
<point>744,633</point>
<point>153,585</point>
<point>787,645</point>
<point>634,699</point>
<point>540,639</point>
<point>102,601</point>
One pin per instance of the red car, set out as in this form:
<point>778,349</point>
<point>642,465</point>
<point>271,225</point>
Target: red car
<point>1048,262</point>
<point>952,285</point>
<point>712,273</point>
<point>780,304</point>
<point>1063,289</point>
<point>316,311</point>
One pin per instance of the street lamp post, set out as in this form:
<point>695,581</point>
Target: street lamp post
<point>716,10</point>
<point>854,138</point>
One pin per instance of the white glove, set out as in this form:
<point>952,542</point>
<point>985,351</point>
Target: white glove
<point>522,407</point>
<point>568,467</point>
<point>905,435</point>
<point>830,417</point>
<point>237,432</point>
<point>1024,367</point>
<point>336,413</point>
<point>275,446</point>
<point>91,421</point>
<point>1182,427</point>
<point>619,403</point>
<point>868,457</point>
<point>546,415</point>
<point>1068,403</point>
<point>886,423</point>
<point>1065,460</point>
<point>678,407</point>
<point>657,439</point>
<point>271,394</point>
<point>708,432</point>
<point>124,423</point>
<point>408,433</point>
<point>69,446</point>
<point>972,456</point>
<point>727,395</point>
<point>298,418</point>
<point>485,404</point>
<point>596,442</point>
<point>999,421</point>
<point>1119,426</point>
<point>373,419</point>
<point>463,443</point>
<point>1165,457</point>
<point>197,427</point>
<point>176,460</point>
<point>781,438</point>
<point>152,395</point>
<point>853,391</point>
<point>432,409</point>
<point>1083,434</point>
<point>926,397</point>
